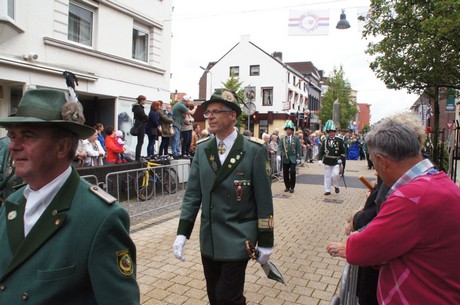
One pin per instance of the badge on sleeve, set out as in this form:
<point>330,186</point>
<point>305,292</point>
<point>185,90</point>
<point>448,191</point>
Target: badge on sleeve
<point>124,262</point>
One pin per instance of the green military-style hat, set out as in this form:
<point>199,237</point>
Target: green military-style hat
<point>45,106</point>
<point>329,126</point>
<point>289,125</point>
<point>226,97</point>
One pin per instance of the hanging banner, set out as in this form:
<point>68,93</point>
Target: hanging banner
<point>306,23</point>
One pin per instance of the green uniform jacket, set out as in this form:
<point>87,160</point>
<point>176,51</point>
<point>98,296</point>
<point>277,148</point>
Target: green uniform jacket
<point>331,150</point>
<point>226,220</point>
<point>289,153</point>
<point>78,252</point>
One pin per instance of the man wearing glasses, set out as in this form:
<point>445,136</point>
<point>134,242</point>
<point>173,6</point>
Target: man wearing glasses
<point>229,179</point>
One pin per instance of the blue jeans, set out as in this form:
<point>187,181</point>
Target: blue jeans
<point>186,141</point>
<point>175,143</point>
<point>151,145</point>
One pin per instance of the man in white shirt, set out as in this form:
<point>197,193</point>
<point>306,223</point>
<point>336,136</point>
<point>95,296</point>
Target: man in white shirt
<point>63,240</point>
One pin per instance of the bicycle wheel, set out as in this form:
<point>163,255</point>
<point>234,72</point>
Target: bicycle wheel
<point>169,180</point>
<point>145,185</point>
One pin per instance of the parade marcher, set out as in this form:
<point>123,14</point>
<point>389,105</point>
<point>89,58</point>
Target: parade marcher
<point>62,240</point>
<point>331,154</point>
<point>289,154</point>
<point>230,187</point>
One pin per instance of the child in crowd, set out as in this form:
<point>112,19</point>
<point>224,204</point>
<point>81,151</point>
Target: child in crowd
<point>120,143</point>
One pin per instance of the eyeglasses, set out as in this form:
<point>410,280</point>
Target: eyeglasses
<point>214,113</point>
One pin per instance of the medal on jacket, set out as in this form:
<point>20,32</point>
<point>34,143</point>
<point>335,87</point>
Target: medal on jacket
<point>213,163</point>
<point>239,189</point>
<point>239,193</point>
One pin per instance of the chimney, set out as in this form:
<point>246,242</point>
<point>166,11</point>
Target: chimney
<point>278,55</point>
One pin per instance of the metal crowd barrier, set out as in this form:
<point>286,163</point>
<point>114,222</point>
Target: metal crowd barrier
<point>347,287</point>
<point>158,194</point>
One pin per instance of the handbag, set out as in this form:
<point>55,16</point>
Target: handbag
<point>134,131</point>
<point>172,130</point>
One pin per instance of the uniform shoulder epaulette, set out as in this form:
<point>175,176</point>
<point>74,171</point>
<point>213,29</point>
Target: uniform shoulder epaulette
<point>99,192</point>
<point>256,140</point>
<point>203,140</point>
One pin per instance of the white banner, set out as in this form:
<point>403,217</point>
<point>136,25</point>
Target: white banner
<point>363,15</point>
<point>302,23</point>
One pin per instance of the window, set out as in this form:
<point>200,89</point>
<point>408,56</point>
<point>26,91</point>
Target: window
<point>10,5</point>
<point>140,45</point>
<point>267,96</point>
<point>80,25</point>
<point>235,71</point>
<point>254,70</point>
<point>7,9</point>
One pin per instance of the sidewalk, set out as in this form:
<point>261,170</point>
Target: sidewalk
<point>305,222</point>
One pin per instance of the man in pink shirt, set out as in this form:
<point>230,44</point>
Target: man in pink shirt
<point>415,238</point>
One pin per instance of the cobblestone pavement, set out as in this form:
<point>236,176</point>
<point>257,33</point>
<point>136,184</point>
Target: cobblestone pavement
<point>305,222</point>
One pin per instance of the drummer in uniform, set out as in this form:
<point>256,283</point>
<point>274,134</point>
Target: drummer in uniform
<point>62,240</point>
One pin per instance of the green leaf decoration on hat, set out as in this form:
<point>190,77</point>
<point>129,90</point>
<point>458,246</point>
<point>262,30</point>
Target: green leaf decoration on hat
<point>329,126</point>
<point>289,125</point>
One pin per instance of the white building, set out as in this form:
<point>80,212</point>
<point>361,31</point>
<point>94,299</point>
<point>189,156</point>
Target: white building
<point>279,90</point>
<point>117,49</point>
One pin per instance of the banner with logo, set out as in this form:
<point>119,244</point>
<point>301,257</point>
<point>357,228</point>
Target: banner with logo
<point>306,23</point>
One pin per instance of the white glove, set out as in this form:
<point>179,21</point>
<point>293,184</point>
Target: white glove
<point>320,162</point>
<point>264,255</point>
<point>339,161</point>
<point>178,247</point>
<point>278,158</point>
<point>298,161</point>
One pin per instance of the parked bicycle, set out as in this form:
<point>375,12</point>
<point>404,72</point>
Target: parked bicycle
<point>156,177</point>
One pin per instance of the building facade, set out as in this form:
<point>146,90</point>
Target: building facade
<point>116,49</point>
<point>277,91</point>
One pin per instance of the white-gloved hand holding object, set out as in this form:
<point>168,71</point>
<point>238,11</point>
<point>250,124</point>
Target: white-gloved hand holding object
<point>278,158</point>
<point>264,255</point>
<point>178,247</point>
<point>320,162</point>
<point>339,161</point>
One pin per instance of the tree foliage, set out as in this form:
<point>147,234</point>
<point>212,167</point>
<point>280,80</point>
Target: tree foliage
<point>234,84</point>
<point>339,88</point>
<point>418,47</point>
<point>418,43</point>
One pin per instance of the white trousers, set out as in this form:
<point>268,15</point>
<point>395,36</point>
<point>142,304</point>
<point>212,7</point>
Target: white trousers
<point>331,176</point>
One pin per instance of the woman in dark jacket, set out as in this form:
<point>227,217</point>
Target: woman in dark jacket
<point>140,118</point>
<point>151,129</point>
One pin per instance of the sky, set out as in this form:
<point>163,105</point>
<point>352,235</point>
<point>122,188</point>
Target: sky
<point>204,30</point>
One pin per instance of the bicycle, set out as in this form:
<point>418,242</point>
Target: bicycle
<point>148,180</point>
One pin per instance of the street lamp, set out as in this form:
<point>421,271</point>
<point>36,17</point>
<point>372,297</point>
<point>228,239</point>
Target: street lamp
<point>210,83</point>
<point>343,22</point>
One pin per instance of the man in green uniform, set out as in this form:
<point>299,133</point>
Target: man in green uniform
<point>229,179</point>
<point>62,240</point>
<point>331,153</point>
<point>290,153</point>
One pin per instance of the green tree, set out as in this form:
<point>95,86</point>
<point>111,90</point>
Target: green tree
<point>339,88</point>
<point>234,84</point>
<point>416,46</point>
